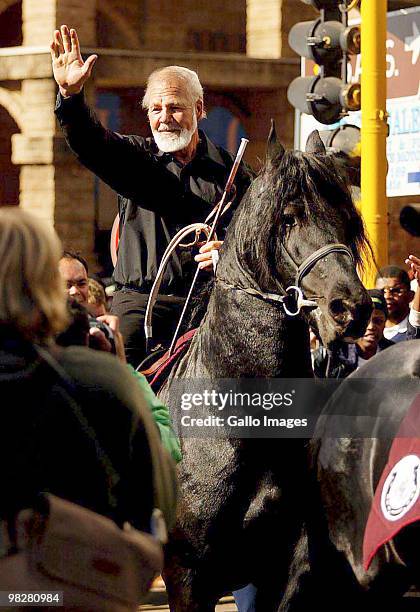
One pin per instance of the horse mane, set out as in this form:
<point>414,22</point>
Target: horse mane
<point>199,303</point>
<point>318,183</point>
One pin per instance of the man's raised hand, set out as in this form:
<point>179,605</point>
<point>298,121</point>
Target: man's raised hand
<point>414,263</point>
<point>70,71</point>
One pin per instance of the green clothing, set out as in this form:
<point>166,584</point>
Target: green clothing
<point>160,414</point>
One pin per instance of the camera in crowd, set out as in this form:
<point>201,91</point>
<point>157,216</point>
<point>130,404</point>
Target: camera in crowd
<point>78,332</point>
<point>107,332</point>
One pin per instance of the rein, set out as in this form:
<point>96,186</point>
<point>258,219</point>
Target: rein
<point>295,290</point>
<point>176,241</point>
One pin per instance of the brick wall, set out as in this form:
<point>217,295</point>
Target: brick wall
<point>183,25</point>
<point>268,25</point>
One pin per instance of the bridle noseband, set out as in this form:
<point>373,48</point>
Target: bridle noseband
<point>301,271</point>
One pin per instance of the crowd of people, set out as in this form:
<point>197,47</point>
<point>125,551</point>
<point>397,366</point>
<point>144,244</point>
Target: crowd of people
<point>395,317</point>
<point>47,299</point>
<point>70,412</point>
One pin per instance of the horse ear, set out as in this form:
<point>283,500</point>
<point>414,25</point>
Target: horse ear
<point>314,143</point>
<point>275,149</point>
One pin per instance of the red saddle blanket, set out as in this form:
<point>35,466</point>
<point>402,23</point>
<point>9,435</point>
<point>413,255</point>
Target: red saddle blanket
<point>396,503</point>
<point>159,371</point>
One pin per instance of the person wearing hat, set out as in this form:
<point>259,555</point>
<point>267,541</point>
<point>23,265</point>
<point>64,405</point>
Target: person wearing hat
<point>374,340</point>
<point>346,358</point>
<point>394,282</point>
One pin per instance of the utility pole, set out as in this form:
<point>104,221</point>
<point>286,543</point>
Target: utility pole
<point>374,132</point>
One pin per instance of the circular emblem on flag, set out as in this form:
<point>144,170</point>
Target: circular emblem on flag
<point>401,489</point>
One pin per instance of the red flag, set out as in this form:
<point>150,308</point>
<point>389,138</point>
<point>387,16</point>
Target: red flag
<point>396,503</point>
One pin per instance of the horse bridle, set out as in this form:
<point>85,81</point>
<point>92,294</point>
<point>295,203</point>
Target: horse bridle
<point>301,270</point>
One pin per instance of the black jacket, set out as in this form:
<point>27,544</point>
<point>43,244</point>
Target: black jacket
<point>45,448</point>
<point>340,362</point>
<point>157,196</point>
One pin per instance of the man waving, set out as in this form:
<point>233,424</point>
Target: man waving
<point>163,183</point>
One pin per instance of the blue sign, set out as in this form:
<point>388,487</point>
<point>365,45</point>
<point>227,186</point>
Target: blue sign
<point>223,128</point>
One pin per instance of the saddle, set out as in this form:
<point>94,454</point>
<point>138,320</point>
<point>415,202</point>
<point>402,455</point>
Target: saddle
<point>159,371</point>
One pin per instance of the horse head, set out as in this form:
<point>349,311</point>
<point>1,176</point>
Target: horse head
<point>299,226</point>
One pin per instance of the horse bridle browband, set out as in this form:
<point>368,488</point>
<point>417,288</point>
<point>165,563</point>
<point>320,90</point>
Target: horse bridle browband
<point>301,271</point>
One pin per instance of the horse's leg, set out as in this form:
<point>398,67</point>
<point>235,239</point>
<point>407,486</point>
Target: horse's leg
<point>275,586</point>
<point>196,580</point>
<point>204,558</point>
<point>274,525</point>
<point>190,587</point>
<point>187,591</point>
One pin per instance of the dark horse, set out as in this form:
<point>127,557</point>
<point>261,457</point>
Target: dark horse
<point>242,500</point>
<point>329,571</point>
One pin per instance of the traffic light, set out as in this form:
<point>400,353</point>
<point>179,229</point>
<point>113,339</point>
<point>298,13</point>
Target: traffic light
<point>328,41</point>
<point>345,143</point>
<point>410,219</point>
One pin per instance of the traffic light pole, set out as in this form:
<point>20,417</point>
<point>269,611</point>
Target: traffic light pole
<point>374,131</point>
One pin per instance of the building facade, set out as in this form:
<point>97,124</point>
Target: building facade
<point>239,49</point>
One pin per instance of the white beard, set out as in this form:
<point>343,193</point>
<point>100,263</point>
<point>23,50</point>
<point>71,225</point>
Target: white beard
<point>175,140</point>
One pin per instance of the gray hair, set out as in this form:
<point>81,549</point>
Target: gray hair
<point>32,294</point>
<point>188,79</point>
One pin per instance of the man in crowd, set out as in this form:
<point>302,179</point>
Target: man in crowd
<point>105,332</point>
<point>74,271</point>
<point>163,183</point>
<point>395,284</point>
<point>346,358</point>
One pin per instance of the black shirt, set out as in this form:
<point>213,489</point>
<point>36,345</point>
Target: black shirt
<point>157,195</point>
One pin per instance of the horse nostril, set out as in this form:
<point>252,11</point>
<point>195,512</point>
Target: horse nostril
<point>351,316</point>
<point>339,310</point>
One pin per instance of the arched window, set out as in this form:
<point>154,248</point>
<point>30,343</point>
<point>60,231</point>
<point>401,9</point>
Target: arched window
<point>9,172</point>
